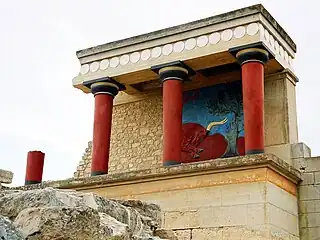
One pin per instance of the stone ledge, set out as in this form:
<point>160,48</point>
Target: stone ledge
<point>240,13</point>
<point>191,169</point>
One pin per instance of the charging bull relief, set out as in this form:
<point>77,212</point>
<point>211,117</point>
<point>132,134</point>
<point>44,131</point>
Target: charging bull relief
<point>212,123</point>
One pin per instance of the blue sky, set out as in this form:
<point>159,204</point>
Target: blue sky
<point>41,110</point>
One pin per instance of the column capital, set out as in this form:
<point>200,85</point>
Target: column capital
<point>104,86</point>
<point>173,71</point>
<point>252,55</point>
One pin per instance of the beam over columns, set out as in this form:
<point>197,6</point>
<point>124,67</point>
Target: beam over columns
<point>104,91</point>
<point>172,76</point>
<point>252,62</point>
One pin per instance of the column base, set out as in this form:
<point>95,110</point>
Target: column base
<point>254,151</point>
<point>170,163</point>
<point>29,182</point>
<point>98,173</point>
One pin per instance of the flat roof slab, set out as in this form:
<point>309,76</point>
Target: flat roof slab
<point>203,44</point>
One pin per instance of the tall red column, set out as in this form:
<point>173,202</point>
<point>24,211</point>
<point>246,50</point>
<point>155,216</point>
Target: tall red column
<point>104,93</point>
<point>252,66</point>
<point>34,169</point>
<point>172,78</point>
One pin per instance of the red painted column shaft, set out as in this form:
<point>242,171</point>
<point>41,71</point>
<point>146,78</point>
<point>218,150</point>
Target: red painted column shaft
<point>101,133</point>
<point>253,106</point>
<point>34,169</point>
<point>172,121</point>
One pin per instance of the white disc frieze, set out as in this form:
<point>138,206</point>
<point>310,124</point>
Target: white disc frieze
<point>239,32</point>
<point>267,35</point>
<point>202,41</point>
<point>94,67</point>
<point>178,47</point>
<point>145,54</point>
<point>281,51</point>
<point>156,52</point>
<point>124,59</point>
<point>114,62</point>
<point>226,35</point>
<point>276,46</point>
<point>286,56</point>
<point>214,38</point>
<point>104,64</point>
<point>190,44</point>
<point>252,29</point>
<point>271,40</point>
<point>84,69</point>
<point>134,57</point>
<point>167,49</point>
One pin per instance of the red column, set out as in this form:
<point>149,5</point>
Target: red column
<point>101,133</point>
<point>104,93</point>
<point>172,121</point>
<point>172,78</point>
<point>34,169</point>
<point>252,66</point>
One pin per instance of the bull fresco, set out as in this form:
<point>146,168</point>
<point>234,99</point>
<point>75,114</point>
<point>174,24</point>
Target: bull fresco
<point>213,122</point>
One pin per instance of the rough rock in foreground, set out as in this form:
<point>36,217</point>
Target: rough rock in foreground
<point>50,213</point>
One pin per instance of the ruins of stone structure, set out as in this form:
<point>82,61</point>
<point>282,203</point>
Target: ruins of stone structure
<point>200,119</point>
<point>5,177</point>
<point>47,214</point>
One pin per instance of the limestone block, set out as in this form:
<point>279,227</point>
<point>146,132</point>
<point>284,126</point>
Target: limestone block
<point>308,178</point>
<point>280,109</point>
<point>299,164</point>
<point>300,150</point>
<point>310,233</point>
<point>310,220</point>
<point>317,177</point>
<point>311,164</point>
<point>181,220</point>
<point>223,216</point>
<point>281,199</point>
<point>282,151</point>
<point>207,234</point>
<point>309,192</point>
<point>256,214</point>
<point>309,206</point>
<point>282,219</point>
<point>242,193</point>
<point>5,176</point>
<point>183,234</point>
<point>192,199</point>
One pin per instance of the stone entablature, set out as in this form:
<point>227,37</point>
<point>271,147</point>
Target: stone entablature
<point>201,44</point>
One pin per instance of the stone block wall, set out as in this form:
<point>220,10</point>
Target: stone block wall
<point>198,203</point>
<point>309,198</point>
<point>136,138</point>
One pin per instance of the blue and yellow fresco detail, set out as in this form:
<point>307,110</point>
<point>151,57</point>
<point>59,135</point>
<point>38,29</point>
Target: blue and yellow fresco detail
<point>221,106</point>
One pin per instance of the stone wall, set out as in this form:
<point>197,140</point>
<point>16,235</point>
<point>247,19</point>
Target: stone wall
<point>252,197</point>
<point>309,198</point>
<point>136,138</point>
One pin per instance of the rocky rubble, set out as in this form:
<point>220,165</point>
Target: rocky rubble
<point>50,213</point>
